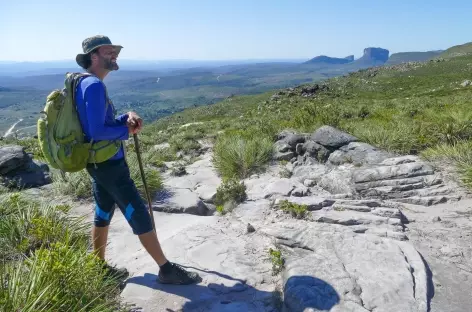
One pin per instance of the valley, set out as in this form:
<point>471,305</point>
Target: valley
<point>158,91</point>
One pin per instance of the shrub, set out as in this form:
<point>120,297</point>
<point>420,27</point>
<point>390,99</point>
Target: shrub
<point>26,225</point>
<point>277,260</point>
<point>63,277</point>
<point>230,190</point>
<point>458,154</point>
<point>239,154</point>
<point>297,211</point>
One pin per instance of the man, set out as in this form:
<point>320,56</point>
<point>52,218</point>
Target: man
<point>111,179</point>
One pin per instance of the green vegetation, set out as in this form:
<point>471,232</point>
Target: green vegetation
<point>458,154</point>
<point>277,260</point>
<point>45,261</point>
<point>230,192</point>
<point>458,50</point>
<point>403,109</point>
<point>240,154</point>
<point>398,58</point>
<point>297,211</point>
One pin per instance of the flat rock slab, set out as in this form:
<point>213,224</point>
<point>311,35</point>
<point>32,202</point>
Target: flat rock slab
<point>234,266</point>
<point>406,170</point>
<point>179,201</point>
<point>358,153</point>
<point>335,270</point>
<point>268,186</point>
<point>191,192</point>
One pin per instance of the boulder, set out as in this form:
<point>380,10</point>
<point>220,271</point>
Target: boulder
<point>293,139</point>
<point>284,156</point>
<point>12,157</point>
<point>315,150</point>
<point>331,137</point>
<point>358,153</point>
<point>19,170</point>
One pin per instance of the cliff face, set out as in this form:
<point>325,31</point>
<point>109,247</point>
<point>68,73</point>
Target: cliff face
<point>374,56</point>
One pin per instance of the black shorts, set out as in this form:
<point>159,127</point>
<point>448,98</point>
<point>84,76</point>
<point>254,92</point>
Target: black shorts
<point>112,184</point>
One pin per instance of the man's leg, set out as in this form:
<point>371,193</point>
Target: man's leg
<point>104,210</point>
<point>136,213</point>
<point>99,238</point>
<point>153,247</point>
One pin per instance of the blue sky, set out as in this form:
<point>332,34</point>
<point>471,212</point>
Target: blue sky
<point>237,29</point>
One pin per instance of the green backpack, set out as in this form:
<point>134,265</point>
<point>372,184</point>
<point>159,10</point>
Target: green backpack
<point>60,133</point>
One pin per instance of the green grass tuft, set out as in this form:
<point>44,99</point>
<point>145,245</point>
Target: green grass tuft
<point>240,154</point>
<point>230,190</point>
<point>297,211</point>
<point>46,263</point>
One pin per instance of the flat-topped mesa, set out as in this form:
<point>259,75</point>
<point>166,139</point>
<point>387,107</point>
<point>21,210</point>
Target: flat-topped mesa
<point>374,56</point>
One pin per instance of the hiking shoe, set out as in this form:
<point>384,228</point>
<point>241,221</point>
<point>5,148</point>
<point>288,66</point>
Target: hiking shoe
<point>178,276</point>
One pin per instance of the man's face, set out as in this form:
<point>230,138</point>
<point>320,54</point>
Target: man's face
<point>107,58</point>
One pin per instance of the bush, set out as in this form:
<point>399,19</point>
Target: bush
<point>26,225</point>
<point>297,211</point>
<point>458,154</point>
<point>230,190</point>
<point>239,154</point>
<point>64,277</point>
<point>45,260</point>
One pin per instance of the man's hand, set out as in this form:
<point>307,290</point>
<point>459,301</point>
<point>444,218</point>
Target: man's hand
<point>134,123</point>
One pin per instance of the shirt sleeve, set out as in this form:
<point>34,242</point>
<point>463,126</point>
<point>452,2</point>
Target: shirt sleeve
<point>122,119</point>
<point>96,111</point>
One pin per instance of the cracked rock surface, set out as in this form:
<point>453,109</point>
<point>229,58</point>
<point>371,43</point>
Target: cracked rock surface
<point>380,233</point>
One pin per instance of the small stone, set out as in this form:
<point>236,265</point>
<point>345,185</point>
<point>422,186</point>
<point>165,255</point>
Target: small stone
<point>250,228</point>
<point>309,183</point>
<point>300,191</point>
<point>436,219</point>
<point>299,149</point>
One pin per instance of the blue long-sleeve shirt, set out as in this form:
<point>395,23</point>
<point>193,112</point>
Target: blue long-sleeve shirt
<point>96,122</point>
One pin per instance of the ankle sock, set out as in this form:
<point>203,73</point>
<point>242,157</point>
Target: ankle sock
<point>166,267</point>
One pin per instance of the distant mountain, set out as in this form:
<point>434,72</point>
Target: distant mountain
<point>323,59</point>
<point>402,57</point>
<point>19,69</point>
<point>373,57</point>
<point>3,89</point>
<point>458,50</point>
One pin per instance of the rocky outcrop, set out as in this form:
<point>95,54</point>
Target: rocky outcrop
<point>338,163</point>
<point>19,170</point>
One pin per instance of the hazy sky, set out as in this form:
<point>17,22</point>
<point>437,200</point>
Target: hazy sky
<point>33,30</point>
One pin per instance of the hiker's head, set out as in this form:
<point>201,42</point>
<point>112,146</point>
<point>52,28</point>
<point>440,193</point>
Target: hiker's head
<point>99,54</point>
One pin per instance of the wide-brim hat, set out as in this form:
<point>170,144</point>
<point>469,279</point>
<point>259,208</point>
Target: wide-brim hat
<point>91,43</point>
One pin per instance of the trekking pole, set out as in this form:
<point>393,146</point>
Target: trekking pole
<point>138,153</point>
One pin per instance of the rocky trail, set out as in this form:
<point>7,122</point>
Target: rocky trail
<point>381,232</point>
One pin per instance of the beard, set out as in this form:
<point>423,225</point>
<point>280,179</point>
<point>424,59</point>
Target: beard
<point>109,64</point>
